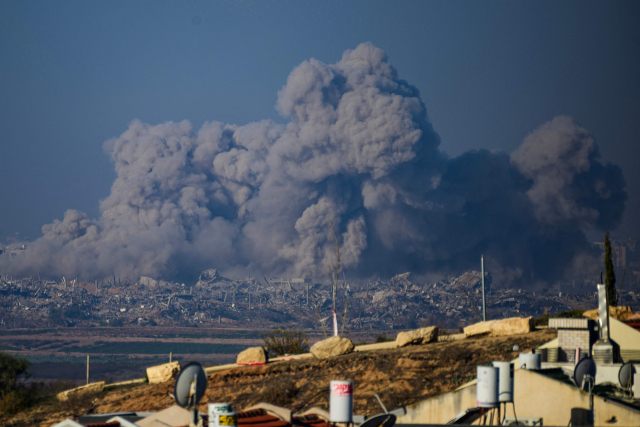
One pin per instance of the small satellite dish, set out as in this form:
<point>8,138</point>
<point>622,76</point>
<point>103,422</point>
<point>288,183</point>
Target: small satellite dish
<point>190,385</point>
<point>380,420</point>
<point>585,367</point>
<point>625,375</point>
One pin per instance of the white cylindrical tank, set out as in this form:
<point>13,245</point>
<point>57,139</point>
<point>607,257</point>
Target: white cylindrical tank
<point>222,415</point>
<point>487,388</point>
<point>529,361</point>
<point>505,381</point>
<point>341,401</point>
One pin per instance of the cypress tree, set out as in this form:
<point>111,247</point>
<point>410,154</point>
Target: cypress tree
<point>610,273</point>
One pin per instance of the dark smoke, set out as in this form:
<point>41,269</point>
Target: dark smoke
<point>359,153</point>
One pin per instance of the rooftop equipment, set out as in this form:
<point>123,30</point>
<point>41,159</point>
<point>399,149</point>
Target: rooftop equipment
<point>222,415</point>
<point>625,376</point>
<point>190,387</point>
<point>505,381</point>
<point>584,375</point>
<point>341,401</point>
<point>529,361</point>
<point>605,350</point>
<point>487,387</point>
<point>380,420</point>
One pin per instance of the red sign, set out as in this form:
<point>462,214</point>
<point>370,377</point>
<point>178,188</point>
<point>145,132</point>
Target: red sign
<point>342,389</point>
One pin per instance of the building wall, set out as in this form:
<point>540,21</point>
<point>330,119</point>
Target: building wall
<point>441,409</point>
<point>627,338</point>
<point>569,340</point>
<point>535,396</point>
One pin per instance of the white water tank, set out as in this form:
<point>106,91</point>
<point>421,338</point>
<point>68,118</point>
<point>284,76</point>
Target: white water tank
<point>340,401</point>
<point>487,387</point>
<point>222,415</point>
<point>505,381</point>
<point>529,361</point>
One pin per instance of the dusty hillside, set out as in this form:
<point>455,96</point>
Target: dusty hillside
<point>399,376</point>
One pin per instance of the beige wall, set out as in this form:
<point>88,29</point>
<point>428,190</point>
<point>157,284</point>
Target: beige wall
<point>535,395</point>
<point>627,338</point>
<point>441,409</point>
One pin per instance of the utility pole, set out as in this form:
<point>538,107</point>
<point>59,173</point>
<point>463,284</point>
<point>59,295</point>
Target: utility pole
<point>87,369</point>
<point>484,311</point>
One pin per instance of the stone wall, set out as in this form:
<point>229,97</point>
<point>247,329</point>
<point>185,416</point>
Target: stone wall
<point>574,333</point>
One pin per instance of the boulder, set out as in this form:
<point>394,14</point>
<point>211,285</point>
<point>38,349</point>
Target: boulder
<point>417,337</point>
<point>334,346</point>
<point>162,373</point>
<point>253,356</point>
<point>621,313</point>
<point>502,327</point>
<point>89,388</point>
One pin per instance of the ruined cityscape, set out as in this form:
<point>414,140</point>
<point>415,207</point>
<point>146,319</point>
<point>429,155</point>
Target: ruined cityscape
<point>399,302</point>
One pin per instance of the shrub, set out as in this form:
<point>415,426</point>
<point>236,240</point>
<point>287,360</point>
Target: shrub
<point>383,338</point>
<point>116,322</point>
<point>280,342</point>
<point>11,402</point>
<point>12,398</point>
<point>570,314</point>
<point>11,368</point>
<point>542,320</point>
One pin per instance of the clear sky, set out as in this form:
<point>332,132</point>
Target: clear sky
<point>75,73</point>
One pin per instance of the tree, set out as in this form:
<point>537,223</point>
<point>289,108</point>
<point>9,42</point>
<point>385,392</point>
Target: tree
<point>11,368</point>
<point>610,273</point>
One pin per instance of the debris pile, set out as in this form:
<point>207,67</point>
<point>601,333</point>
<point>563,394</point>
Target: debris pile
<point>401,302</point>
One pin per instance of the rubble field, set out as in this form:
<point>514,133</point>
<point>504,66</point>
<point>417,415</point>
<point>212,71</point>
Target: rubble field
<point>400,302</point>
<point>400,376</point>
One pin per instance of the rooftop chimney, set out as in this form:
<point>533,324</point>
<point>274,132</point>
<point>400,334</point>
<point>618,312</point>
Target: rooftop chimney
<point>605,350</point>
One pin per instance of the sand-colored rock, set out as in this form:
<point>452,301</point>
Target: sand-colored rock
<point>334,346</point>
<point>501,327</point>
<point>162,373</point>
<point>621,313</point>
<point>89,388</point>
<point>253,356</point>
<point>417,337</point>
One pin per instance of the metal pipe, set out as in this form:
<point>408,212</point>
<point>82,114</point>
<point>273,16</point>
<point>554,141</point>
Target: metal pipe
<point>484,310</point>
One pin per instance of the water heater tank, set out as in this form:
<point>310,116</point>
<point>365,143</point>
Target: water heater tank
<point>505,381</point>
<point>341,401</point>
<point>222,415</point>
<point>487,388</point>
<point>529,361</point>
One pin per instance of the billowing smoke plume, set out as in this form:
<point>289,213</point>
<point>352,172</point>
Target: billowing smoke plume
<point>359,163</point>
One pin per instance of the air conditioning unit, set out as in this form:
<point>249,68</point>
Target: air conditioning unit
<point>522,422</point>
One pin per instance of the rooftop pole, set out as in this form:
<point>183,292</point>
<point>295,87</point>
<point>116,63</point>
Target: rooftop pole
<point>484,311</point>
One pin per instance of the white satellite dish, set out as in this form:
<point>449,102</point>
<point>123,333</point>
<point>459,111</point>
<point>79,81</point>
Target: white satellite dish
<point>190,385</point>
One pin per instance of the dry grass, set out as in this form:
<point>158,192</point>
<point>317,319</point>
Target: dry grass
<point>400,376</point>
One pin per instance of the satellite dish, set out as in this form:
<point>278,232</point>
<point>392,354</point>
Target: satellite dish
<point>585,368</point>
<point>625,375</point>
<point>380,420</point>
<point>190,385</point>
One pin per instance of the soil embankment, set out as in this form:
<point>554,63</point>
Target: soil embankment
<point>400,376</point>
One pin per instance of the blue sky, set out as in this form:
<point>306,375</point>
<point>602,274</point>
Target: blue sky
<point>75,73</point>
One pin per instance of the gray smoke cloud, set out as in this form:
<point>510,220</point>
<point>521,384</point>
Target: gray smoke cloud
<point>357,156</point>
